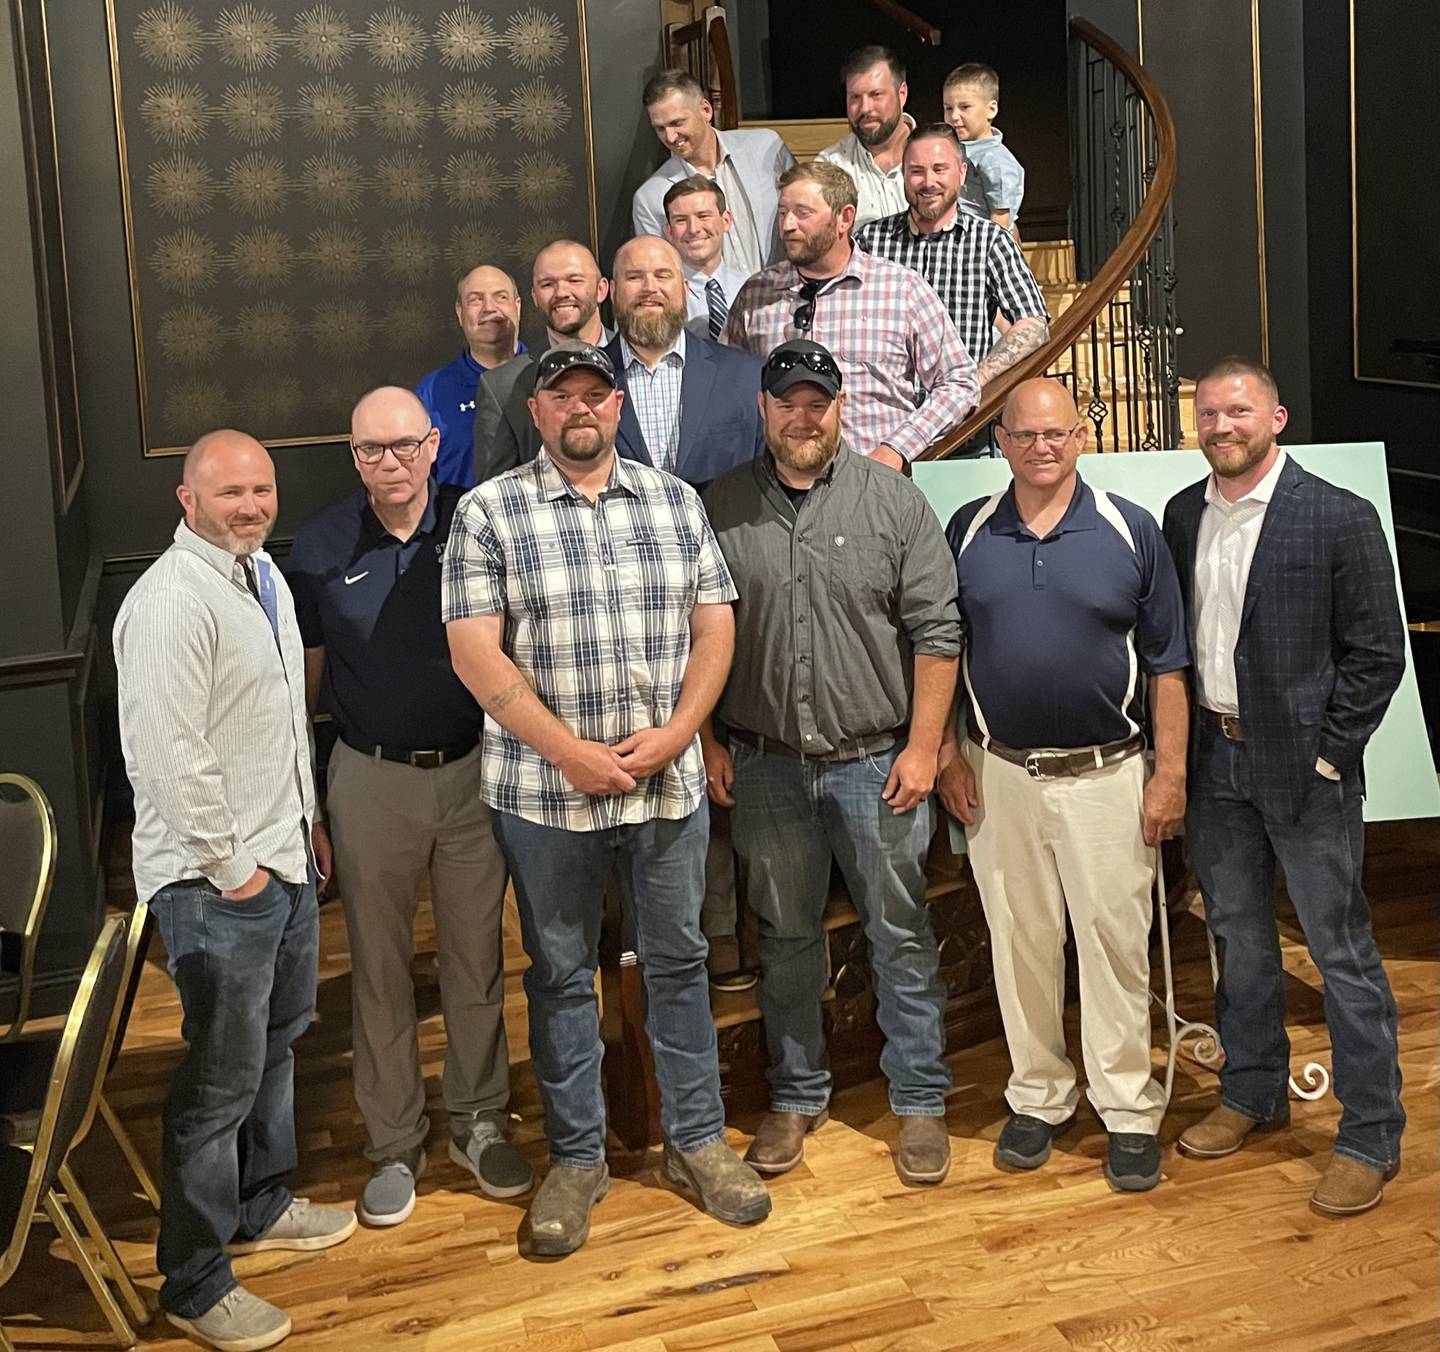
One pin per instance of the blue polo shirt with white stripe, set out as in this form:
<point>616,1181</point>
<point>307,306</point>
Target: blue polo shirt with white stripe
<point>1059,631</point>
<point>449,394</point>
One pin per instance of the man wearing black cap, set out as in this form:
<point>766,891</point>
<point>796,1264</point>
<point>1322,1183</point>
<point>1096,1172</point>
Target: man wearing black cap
<point>847,605</point>
<point>588,611</point>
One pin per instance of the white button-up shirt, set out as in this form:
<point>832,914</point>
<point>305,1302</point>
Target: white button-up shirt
<point>878,192</point>
<point>213,722</point>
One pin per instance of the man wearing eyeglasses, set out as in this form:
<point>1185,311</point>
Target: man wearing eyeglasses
<point>404,802</point>
<point>588,608</point>
<point>1068,596</point>
<point>845,653</point>
<point>908,378</point>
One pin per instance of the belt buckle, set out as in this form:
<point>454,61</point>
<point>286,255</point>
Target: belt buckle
<point>427,760</point>
<point>1230,727</point>
<point>1032,766</point>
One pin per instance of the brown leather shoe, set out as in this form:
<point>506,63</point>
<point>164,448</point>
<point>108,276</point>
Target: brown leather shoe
<point>1348,1187</point>
<point>779,1143</point>
<point>1222,1131</point>
<point>560,1213</point>
<point>924,1154</point>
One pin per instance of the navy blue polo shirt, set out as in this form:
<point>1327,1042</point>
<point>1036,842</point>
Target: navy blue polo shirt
<point>1058,631</point>
<point>449,394</point>
<point>373,603</point>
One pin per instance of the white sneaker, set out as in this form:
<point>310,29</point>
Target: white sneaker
<point>238,1322</point>
<point>304,1226</point>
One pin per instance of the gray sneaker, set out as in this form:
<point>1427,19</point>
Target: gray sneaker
<point>499,1168</point>
<point>238,1322</point>
<point>389,1196</point>
<point>303,1226</point>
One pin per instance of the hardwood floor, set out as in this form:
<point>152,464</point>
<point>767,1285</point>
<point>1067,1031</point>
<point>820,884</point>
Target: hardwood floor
<point>1224,1254</point>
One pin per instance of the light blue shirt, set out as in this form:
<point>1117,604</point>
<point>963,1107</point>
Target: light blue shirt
<point>995,181</point>
<point>698,305</point>
<point>656,396</point>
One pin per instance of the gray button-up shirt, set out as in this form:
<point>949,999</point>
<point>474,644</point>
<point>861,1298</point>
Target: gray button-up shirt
<point>836,599</point>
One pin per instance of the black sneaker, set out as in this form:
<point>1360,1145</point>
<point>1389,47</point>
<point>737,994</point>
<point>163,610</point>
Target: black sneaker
<point>1133,1164</point>
<point>1025,1142</point>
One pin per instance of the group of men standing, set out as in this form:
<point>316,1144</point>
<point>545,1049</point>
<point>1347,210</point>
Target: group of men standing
<point>689,576</point>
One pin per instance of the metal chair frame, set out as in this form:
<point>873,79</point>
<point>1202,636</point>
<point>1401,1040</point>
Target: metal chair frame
<point>35,915</point>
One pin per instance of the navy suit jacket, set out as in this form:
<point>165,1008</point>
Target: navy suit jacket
<point>1322,644</point>
<point>720,423</point>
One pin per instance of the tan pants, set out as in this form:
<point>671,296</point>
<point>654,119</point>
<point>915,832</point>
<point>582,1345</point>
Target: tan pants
<point>1036,848</point>
<point>390,824</point>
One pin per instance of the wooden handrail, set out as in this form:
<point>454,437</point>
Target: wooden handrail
<point>1116,269</point>
<point>924,30</point>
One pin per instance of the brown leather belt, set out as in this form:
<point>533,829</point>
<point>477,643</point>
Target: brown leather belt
<point>1062,764</point>
<point>1229,724</point>
<point>874,745</point>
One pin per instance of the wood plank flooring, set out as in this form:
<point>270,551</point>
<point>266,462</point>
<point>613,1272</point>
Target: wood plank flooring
<point>1223,1255</point>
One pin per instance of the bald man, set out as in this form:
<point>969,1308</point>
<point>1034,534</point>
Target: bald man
<point>226,849</point>
<point>404,803</point>
<point>487,308</point>
<point>1074,663</point>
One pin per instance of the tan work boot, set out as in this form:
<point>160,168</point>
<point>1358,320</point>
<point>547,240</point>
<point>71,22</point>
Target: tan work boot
<point>924,1154</point>
<point>728,1188</point>
<point>1348,1187</point>
<point>779,1143</point>
<point>1222,1131</point>
<point>560,1213</point>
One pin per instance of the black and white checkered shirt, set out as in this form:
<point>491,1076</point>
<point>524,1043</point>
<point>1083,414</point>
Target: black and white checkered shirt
<point>974,266</point>
<point>597,600</point>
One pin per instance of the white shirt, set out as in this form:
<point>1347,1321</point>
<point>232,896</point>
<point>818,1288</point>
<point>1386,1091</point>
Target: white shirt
<point>878,193</point>
<point>698,306</point>
<point>1224,551</point>
<point>212,722</point>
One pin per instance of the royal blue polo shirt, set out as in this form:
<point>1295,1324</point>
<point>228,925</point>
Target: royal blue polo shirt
<point>1059,631</point>
<point>373,603</point>
<point>449,394</point>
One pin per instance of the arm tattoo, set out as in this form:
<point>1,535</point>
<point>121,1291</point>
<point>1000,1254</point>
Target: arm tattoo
<point>505,697</point>
<point>1025,335</point>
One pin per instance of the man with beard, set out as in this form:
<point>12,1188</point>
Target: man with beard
<point>690,403</point>
<point>908,377</point>
<point>1068,595</point>
<point>875,94</point>
<point>974,266</point>
<point>847,606</point>
<point>487,307</point>
<point>696,223</point>
<point>745,165</point>
<point>226,849</point>
<point>1299,644</point>
<point>566,288</point>
<point>588,608</point>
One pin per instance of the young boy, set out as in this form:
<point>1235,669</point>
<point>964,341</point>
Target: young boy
<point>995,184</point>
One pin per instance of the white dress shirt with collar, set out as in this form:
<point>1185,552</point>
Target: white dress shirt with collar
<point>213,722</point>
<point>878,192</point>
<point>697,302</point>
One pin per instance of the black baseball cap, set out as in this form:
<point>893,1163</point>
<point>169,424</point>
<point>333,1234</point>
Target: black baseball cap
<point>571,355</point>
<point>800,361</point>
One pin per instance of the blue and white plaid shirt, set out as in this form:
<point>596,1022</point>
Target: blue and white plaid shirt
<point>656,395</point>
<point>597,600</point>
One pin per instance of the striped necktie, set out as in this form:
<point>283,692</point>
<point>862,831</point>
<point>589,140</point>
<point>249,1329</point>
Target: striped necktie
<point>718,306</point>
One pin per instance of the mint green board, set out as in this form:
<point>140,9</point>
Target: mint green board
<point>1399,775</point>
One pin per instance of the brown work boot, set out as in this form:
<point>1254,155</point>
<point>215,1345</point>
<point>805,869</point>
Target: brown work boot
<point>560,1213</point>
<point>1349,1187</point>
<point>924,1154</point>
<point>1222,1131</point>
<point>779,1143</point>
<point>728,1188</point>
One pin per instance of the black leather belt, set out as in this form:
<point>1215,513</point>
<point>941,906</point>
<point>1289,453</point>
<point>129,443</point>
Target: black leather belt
<point>875,745</point>
<point>1062,764</point>
<point>430,758</point>
<point>1229,724</point>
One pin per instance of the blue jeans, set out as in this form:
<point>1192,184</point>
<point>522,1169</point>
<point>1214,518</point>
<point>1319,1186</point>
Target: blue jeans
<point>560,878</point>
<point>1235,846</point>
<point>246,975</point>
<point>788,820</point>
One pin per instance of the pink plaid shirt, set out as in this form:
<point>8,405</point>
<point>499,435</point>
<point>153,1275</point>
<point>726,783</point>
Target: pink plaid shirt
<point>908,378</point>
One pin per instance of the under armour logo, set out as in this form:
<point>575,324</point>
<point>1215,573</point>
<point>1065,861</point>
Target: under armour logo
<point>467,408</point>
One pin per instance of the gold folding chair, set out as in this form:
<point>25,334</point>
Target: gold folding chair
<point>27,870</point>
<point>36,1177</point>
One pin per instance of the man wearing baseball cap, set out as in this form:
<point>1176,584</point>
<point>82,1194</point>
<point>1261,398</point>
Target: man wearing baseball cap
<point>846,606</point>
<point>588,611</point>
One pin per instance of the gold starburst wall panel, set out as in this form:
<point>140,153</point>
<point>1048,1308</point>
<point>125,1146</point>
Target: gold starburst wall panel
<point>304,182</point>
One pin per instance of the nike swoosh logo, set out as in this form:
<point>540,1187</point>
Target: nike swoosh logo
<point>351,581</point>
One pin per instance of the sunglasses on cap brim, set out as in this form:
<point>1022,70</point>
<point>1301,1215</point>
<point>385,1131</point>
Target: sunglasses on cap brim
<point>820,363</point>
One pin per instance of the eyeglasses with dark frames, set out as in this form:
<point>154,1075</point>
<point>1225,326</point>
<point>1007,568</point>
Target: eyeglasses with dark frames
<point>404,450</point>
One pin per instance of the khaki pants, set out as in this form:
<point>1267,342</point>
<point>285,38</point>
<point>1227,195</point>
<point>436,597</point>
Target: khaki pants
<point>390,824</point>
<point>1036,848</point>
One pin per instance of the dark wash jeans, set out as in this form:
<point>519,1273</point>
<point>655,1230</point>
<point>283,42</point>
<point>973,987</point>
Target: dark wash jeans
<point>560,878</point>
<point>246,974</point>
<point>1235,846</point>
